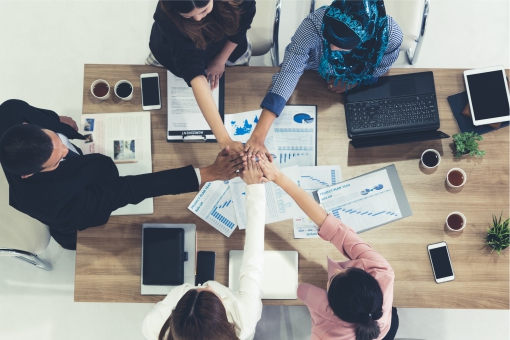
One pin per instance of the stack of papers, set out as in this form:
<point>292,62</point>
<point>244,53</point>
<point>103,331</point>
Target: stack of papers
<point>222,204</point>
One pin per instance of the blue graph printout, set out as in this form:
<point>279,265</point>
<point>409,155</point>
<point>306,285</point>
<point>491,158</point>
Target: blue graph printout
<point>214,205</point>
<point>291,139</point>
<point>313,178</point>
<point>279,205</point>
<point>363,202</point>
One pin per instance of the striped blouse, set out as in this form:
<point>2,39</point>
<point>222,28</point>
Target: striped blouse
<point>304,53</point>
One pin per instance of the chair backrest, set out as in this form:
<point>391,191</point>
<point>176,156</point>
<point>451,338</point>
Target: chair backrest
<point>407,13</point>
<point>262,27</point>
<point>17,230</point>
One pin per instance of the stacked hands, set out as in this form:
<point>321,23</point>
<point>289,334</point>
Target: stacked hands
<point>252,168</point>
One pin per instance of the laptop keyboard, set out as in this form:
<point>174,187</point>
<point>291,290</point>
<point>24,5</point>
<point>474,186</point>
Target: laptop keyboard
<point>416,110</point>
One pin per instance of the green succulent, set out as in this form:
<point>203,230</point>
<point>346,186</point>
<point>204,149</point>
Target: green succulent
<point>498,234</point>
<point>466,143</point>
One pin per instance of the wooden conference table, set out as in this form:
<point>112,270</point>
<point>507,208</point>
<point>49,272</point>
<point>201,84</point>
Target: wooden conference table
<point>108,257</point>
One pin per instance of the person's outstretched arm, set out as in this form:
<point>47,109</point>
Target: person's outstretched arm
<point>208,107</point>
<point>250,276</point>
<point>311,208</point>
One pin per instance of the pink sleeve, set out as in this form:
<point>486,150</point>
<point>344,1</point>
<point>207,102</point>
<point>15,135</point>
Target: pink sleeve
<point>313,297</point>
<point>350,244</point>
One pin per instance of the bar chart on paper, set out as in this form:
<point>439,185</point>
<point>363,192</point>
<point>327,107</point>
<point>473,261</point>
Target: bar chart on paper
<point>296,155</point>
<point>214,205</point>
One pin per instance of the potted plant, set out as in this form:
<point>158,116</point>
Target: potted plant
<point>497,234</point>
<point>466,143</point>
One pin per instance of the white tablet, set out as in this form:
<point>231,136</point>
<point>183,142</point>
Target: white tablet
<point>487,90</point>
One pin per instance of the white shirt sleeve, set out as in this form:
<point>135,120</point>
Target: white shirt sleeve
<point>252,267</point>
<point>197,171</point>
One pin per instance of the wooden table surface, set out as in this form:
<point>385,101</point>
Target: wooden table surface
<point>108,257</point>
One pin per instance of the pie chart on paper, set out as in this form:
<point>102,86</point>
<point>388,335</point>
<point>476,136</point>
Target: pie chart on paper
<point>303,118</point>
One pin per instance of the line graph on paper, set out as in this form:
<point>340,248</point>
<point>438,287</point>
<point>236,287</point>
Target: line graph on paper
<point>365,212</point>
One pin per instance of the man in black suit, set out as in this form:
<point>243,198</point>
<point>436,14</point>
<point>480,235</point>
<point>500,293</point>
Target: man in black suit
<point>52,181</point>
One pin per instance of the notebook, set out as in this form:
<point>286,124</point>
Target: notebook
<point>394,110</point>
<point>280,277</point>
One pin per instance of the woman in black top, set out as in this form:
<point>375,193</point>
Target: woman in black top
<point>194,39</point>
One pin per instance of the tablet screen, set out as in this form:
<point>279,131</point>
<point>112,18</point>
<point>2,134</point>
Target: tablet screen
<point>488,95</point>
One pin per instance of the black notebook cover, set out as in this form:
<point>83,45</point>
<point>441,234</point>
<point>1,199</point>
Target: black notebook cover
<point>163,256</point>
<point>457,103</point>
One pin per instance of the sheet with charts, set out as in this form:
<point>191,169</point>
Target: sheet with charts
<point>292,139</point>
<point>184,114</point>
<point>313,178</point>
<point>214,205</point>
<point>363,202</point>
<point>279,205</point>
<point>126,138</point>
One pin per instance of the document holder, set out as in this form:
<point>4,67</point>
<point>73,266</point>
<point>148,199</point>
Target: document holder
<point>163,256</point>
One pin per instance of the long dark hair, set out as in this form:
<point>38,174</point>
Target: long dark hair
<point>199,315</point>
<point>223,19</point>
<point>356,297</point>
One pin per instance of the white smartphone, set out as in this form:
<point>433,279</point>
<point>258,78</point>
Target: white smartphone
<point>151,95</point>
<point>440,261</point>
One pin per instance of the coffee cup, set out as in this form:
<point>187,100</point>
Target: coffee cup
<point>456,221</point>
<point>100,89</point>
<point>124,90</point>
<point>456,178</point>
<point>430,158</point>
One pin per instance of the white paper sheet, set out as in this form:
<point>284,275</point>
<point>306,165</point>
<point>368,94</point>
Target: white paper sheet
<point>313,178</point>
<point>184,114</point>
<point>214,205</point>
<point>363,202</point>
<point>279,205</point>
<point>291,139</point>
<point>126,138</point>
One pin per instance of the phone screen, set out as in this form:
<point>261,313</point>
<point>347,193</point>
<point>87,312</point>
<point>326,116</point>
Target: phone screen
<point>150,91</point>
<point>205,266</point>
<point>441,262</point>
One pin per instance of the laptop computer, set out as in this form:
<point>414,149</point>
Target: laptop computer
<point>397,109</point>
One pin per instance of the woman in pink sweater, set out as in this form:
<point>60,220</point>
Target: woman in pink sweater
<point>358,301</point>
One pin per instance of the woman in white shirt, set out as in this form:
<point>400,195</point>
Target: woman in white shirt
<point>213,311</point>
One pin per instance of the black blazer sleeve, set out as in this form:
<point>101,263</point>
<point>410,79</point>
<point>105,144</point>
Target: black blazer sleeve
<point>92,205</point>
<point>248,12</point>
<point>14,112</point>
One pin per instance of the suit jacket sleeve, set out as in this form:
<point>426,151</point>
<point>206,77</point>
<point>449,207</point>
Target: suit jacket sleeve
<point>91,206</point>
<point>14,112</point>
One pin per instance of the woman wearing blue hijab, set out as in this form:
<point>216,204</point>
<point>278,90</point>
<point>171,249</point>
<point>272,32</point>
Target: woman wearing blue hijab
<point>350,42</point>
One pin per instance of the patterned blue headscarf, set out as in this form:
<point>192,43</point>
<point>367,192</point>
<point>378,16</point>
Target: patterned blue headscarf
<point>367,20</point>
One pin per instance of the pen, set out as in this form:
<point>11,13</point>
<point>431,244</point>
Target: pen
<point>125,162</point>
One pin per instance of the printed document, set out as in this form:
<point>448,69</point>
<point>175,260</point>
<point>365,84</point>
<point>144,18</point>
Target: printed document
<point>214,205</point>
<point>279,205</point>
<point>291,139</point>
<point>126,138</point>
<point>363,202</point>
<point>313,178</point>
<point>184,114</point>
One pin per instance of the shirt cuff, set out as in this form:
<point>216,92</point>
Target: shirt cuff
<point>274,103</point>
<point>197,171</point>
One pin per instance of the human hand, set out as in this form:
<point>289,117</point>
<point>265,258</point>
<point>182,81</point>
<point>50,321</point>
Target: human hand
<point>269,168</point>
<point>252,174</point>
<point>224,167</point>
<point>214,72</point>
<point>69,121</point>
<point>234,147</point>
<point>255,146</point>
<point>339,88</point>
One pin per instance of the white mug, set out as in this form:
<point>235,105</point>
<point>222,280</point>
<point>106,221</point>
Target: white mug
<point>124,82</point>
<point>100,81</point>
<point>448,180</point>
<point>464,220</point>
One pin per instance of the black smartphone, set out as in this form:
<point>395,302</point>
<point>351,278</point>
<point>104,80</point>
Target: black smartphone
<point>206,263</point>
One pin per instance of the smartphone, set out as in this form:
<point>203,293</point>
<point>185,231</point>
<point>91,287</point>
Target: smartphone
<point>151,95</point>
<point>206,262</point>
<point>440,261</point>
